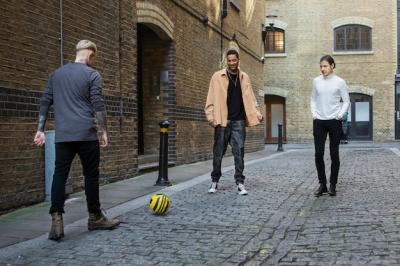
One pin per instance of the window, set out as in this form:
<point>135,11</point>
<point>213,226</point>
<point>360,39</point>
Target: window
<point>274,40</point>
<point>353,38</point>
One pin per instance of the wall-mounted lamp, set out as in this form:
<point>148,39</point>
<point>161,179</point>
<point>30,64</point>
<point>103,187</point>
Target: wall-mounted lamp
<point>272,18</point>
<point>204,19</point>
<point>224,10</point>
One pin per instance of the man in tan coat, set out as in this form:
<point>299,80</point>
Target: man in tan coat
<point>230,107</point>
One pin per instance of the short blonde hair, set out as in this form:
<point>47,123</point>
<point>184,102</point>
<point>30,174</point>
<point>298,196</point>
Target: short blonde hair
<point>86,45</point>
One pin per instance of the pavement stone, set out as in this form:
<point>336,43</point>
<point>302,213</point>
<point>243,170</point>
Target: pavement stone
<point>280,222</point>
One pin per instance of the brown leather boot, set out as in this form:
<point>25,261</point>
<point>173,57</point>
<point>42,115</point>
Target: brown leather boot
<point>57,226</point>
<point>99,221</point>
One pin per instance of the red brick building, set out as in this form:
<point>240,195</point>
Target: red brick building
<point>156,58</point>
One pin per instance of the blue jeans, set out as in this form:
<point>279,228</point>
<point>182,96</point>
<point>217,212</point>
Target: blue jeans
<point>235,134</point>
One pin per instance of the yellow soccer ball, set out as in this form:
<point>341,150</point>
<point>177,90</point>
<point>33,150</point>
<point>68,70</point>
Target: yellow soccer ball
<point>159,203</point>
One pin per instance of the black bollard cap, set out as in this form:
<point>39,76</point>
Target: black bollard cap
<point>164,124</point>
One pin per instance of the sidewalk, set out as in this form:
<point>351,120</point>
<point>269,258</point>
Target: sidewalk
<point>30,222</point>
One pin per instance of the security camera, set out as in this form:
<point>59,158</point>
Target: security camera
<point>262,59</point>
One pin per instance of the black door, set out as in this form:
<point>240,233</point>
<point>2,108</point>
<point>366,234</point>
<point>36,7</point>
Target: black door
<point>397,111</point>
<point>275,114</point>
<point>360,117</point>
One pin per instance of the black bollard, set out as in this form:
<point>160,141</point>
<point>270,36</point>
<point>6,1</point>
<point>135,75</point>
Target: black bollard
<point>163,159</point>
<point>280,148</point>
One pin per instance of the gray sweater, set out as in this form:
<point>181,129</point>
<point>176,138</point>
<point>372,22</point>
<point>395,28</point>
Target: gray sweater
<point>326,96</point>
<point>74,90</point>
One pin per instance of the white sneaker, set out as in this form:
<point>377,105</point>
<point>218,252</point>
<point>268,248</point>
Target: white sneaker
<point>213,188</point>
<point>242,190</point>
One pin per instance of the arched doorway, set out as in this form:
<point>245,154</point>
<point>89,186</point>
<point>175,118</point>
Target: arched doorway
<point>155,63</point>
<point>156,92</point>
<point>275,113</point>
<point>360,117</point>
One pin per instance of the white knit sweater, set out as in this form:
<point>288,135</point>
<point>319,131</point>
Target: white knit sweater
<point>326,96</point>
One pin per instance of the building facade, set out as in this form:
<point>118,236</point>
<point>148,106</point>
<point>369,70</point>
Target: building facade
<point>156,58</point>
<point>360,35</point>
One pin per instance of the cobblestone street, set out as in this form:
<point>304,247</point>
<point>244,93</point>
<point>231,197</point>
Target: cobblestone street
<point>280,222</point>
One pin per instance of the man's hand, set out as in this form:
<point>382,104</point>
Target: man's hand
<point>104,140</point>
<point>212,123</point>
<point>39,139</point>
<point>339,117</point>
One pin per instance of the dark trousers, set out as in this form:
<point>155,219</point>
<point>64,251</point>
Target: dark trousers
<point>344,136</point>
<point>321,128</point>
<point>89,153</point>
<point>235,134</point>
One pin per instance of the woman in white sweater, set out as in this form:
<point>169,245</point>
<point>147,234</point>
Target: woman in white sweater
<point>327,111</point>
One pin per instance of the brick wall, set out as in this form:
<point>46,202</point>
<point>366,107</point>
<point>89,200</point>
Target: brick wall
<point>309,35</point>
<point>30,51</point>
<point>198,56</point>
<point>23,71</point>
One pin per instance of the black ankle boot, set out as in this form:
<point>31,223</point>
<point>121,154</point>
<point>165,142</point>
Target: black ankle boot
<point>321,190</point>
<point>332,190</point>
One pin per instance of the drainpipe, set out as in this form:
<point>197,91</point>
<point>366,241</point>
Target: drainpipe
<point>222,37</point>
<point>61,39</point>
<point>121,102</point>
<point>224,13</point>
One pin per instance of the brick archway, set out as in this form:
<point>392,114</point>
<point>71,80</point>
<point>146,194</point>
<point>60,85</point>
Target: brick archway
<point>155,18</point>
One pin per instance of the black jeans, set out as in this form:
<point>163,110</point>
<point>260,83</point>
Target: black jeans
<point>89,153</point>
<point>321,128</point>
<point>235,134</point>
